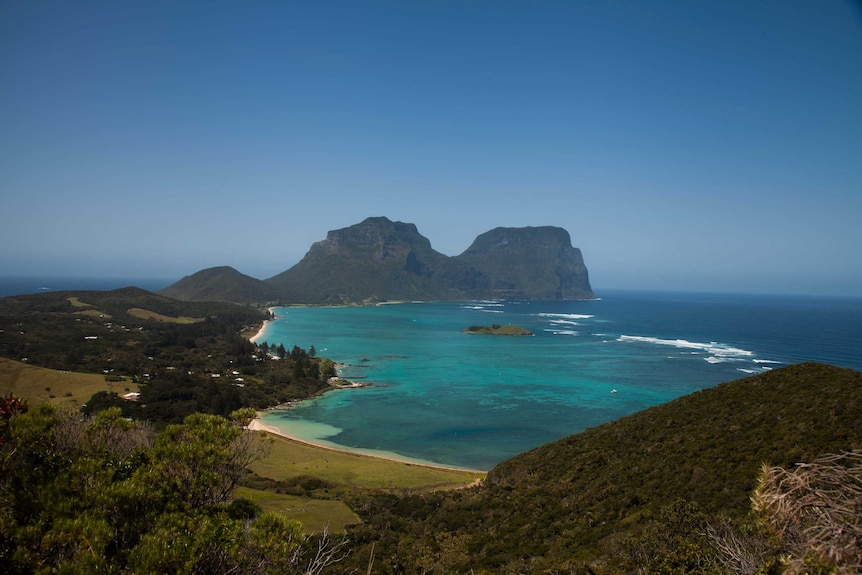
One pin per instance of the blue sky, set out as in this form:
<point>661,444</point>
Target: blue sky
<point>684,145</point>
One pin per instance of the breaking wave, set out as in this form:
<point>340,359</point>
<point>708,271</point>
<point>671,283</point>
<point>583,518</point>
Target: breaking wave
<point>715,352</point>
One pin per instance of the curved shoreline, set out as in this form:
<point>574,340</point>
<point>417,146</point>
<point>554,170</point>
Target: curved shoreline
<point>253,337</point>
<point>257,424</point>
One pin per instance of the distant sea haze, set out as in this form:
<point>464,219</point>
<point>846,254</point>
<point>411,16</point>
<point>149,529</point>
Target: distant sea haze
<point>18,285</point>
<point>439,395</point>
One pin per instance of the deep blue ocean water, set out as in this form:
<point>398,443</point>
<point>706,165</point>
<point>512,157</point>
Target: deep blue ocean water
<point>437,394</point>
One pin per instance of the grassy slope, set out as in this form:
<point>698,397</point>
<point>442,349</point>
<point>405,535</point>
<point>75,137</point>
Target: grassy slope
<point>66,387</point>
<point>290,458</point>
<point>316,515</point>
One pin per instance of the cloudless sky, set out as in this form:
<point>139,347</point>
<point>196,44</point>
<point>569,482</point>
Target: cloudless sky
<point>704,145</point>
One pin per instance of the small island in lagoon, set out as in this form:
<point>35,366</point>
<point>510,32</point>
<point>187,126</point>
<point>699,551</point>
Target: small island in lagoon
<point>497,329</point>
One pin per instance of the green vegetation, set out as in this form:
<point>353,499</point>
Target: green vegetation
<point>315,515</point>
<point>182,357</point>
<point>346,471</point>
<point>102,495</point>
<point>171,364</point>
<point>147,314</point>
<point>497,329</point>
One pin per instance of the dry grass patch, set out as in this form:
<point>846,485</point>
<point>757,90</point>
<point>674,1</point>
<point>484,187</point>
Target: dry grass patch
<point>316,515</point>
<point>38,384</point>
<point>147,314</point>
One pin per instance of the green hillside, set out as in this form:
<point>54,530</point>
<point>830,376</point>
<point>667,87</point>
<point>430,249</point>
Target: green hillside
<point>573,502</point>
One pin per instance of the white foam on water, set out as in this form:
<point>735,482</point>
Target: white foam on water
<point>566,315</point>
<point>563,331</point>
<point>715,359</point>
<point>717,352</point>
<point>564,322</point>
<point>484,305</point>
<point>766,361</point>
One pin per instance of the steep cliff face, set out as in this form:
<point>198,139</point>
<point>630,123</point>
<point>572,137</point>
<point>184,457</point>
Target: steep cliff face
<point>529,263</point>
<point>375,260</point>
<point>382,260</point>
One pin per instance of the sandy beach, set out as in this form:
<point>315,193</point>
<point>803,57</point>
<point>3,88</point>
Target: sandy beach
<point>259,333</point>
<point>258,425</point>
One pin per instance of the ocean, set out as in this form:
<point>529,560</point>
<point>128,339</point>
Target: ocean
<point>435,394</point>
<point>18,285</point>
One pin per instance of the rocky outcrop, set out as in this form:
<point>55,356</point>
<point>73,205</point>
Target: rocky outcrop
<point>375,260</point>
<point>528,263</point>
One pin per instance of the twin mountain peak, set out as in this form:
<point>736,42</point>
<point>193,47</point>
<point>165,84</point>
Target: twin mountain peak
<point>380,260</point>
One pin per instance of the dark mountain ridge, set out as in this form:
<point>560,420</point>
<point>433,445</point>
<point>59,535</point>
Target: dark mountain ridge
<point>382,260</point>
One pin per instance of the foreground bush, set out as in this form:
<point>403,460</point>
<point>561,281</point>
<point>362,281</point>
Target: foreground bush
<point>102,494</point>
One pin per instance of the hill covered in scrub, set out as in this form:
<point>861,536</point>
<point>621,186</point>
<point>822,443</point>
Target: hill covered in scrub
<point>584,501</point>
<point>382,260</point>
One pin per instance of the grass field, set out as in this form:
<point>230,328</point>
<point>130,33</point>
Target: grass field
<point>316,515</point>
<point>288,459</point>
<point>147,314</point>
<point>38,384</point>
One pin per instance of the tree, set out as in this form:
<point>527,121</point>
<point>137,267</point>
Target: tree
<point>103,494</point>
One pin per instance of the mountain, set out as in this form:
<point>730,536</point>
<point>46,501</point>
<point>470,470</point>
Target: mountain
<point>381,260</point>
<point>579,498</point>
<point>375,260</point>
<point>221,284</point>
<point>528,263</point>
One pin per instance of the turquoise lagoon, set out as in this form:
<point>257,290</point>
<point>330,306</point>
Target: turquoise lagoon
<point>436,394</point>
